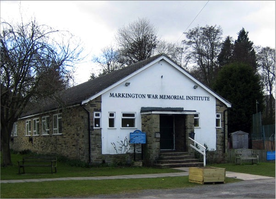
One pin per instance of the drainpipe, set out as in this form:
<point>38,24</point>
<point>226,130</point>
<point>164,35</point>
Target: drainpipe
<point>89,135</point>
<point>224,128</point>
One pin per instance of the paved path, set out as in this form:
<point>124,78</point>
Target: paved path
<point>183,172</point>
<point>248,189</point>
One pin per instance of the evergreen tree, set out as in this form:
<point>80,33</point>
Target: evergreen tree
<point>244,51</point>
<point>239,84</point>
<point>226,53</point>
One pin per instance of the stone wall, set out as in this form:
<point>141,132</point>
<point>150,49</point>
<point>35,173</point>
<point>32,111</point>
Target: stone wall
<point>189,128</point>
<point>151,125</point>
<point>95,134</point>
<point>222,133</point>
<point>72,143</point>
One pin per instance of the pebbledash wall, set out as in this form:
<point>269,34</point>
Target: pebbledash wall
<point>98,129</point>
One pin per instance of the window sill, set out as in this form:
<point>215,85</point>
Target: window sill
<point>128,128</point>
<point>58,134</point>
<point>111,128</point>
<point>45,134</point>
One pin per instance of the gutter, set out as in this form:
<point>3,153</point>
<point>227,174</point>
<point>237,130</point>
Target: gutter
<point>89,135</point>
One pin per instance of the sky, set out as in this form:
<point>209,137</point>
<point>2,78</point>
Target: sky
<point>96,23</point>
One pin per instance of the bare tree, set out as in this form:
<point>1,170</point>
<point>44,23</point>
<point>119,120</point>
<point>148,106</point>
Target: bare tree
<point>266,65</point>
<point>136,41</point>
<point>172,50</point>
<point>108,61</point>
<point>33,65</point>
<point>204,46</point>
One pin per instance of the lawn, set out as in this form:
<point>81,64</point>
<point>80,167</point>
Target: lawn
<point>65,170</point>
<point>263,168</point>
<point>85,188</point>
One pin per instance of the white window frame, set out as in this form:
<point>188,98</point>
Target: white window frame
<point>125,116</point>
<point>46,125</point>
<point>196,118</point>
<point>57,124</point>
<point>14,129</point>
<point>36,126</point>
<point>111,117</point>
<point>28,127</point>
<point>218,117</point>
<point>97,120</point>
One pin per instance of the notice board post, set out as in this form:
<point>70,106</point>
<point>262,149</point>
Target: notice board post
<point>137,137</point>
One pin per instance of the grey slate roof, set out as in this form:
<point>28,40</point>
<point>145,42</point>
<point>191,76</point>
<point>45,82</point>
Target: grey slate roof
<point>77,94</point>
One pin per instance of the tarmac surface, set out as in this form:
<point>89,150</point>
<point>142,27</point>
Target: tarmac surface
<point>252,187</point>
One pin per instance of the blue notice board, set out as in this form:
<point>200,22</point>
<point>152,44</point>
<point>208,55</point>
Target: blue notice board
<point>137,137</point>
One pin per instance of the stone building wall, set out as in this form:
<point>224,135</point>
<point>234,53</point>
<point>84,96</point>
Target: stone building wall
<point>72,143</point>
<point>222,133</point>
<point>151,125</point>
<point>95,134</point>
<point>189,128</point>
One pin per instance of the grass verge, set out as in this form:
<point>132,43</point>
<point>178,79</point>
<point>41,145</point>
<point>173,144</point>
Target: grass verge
<point>263,168</point>
<point>65,170</point>
<point>77,189</point>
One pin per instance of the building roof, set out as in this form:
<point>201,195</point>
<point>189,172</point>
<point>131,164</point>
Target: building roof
<point>89,90</point>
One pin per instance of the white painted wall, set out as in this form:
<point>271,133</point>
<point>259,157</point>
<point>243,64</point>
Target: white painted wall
<point>150,81</point>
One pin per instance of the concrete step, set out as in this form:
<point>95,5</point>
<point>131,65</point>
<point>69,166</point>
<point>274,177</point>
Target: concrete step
<point>177,159</point>
<point>188,164</point>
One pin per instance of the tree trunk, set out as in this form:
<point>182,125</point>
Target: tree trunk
<point>5,146</point>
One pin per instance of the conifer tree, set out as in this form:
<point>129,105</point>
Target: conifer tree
<point>238,83</point>
<point>244,51</point>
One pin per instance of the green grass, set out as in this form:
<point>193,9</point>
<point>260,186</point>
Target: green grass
<point>86,188</point>
<point>263,168</point>
<point>65,170</point>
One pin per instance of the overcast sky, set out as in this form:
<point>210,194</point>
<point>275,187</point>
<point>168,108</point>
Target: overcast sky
<point>96,22</point>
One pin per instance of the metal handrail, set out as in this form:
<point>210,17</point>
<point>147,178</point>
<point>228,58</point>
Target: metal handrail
<point>203,152</point>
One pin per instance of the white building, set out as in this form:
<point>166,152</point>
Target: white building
<point>155,96</point>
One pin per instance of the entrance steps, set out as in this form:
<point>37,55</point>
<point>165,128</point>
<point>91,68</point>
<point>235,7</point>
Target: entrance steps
<point>177,159</point>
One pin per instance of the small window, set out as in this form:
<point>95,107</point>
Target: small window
<point>196,120</point>
<point>45,125</point>
<point>36,126</point>
<point>218,120</point>
<point>14,130</point>
<point>28,127</point>
<point>97,119</point>
<point>111,120</point>
<point>128,120</point>
<point>57,124</point>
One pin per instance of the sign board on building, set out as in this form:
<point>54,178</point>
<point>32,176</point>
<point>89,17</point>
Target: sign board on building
<point>137,137</point>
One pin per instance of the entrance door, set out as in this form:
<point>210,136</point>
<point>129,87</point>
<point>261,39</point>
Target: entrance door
<point>166,132</point>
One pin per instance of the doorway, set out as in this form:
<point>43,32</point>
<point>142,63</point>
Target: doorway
<point>167,134</point>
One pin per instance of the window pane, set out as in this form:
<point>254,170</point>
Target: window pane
<point>196,122</point>
<point>59,126</point>
<point>218,122</point>
<point>128,122</point>
<point>112,115</point>
<point>97,122</point>
<point>55,121</point>
<point>111,122</point>
<point>128,115</point>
